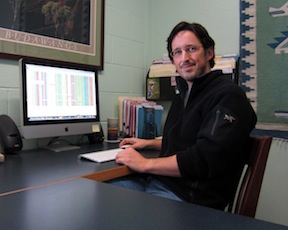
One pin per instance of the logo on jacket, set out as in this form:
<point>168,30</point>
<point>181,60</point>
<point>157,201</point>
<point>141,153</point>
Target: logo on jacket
<point>229,118</point>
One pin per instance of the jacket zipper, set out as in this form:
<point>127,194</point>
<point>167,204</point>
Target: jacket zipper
<point>215,122</point>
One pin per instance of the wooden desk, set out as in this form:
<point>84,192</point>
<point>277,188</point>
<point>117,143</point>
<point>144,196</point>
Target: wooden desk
<point>86,204</point>
<point>109,174</point>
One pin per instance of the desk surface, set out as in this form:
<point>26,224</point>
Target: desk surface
<point>56,197</point>
<point>86,204</point>
<point>36,167</point>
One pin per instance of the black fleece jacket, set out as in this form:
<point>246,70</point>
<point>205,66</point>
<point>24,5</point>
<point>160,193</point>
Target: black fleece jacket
<point>210,138</point>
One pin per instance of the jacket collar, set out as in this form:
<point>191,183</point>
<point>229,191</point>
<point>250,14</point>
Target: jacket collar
<point>183,86</point>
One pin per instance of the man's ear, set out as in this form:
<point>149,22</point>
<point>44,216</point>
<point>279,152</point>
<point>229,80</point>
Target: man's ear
<point>210,53</point>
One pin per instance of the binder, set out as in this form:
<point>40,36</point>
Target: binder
<point>149,118</point>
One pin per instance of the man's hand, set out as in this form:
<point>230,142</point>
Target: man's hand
<point>166,166</point>
<point>133,159</point>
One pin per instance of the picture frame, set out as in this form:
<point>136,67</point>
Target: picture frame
<point>62,30</point>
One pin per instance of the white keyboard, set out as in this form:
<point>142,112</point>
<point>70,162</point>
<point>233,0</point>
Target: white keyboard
<point>101,156</point>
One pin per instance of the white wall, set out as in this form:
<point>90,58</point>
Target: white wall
<point>127,26</point>
<point>220,18</point>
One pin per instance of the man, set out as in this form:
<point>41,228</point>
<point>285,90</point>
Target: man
<point>206,133</point>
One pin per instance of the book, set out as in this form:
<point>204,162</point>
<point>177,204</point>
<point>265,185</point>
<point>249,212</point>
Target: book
<point>162,70</point>
<point>149,118</point>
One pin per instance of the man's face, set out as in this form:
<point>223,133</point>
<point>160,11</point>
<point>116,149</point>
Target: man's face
<point>190,58</point>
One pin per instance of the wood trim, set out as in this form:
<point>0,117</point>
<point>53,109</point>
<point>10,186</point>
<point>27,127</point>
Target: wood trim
<point>38,186</point>
<point>100,176</point>
<point>109,174</point>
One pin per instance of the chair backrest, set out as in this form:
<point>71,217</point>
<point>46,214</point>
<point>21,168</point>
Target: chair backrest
<point>247,199</point>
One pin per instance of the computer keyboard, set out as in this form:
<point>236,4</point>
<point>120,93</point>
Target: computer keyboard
<point>101,156</point>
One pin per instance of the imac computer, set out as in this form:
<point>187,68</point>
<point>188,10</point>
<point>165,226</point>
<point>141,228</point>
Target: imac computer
<point>57,99</point>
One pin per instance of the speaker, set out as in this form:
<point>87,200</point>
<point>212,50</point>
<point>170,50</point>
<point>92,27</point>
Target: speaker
<point>10,137</point>
<point>97,137</point>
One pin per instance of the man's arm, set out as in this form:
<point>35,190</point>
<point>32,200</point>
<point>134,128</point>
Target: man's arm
<point>138,143</point>
<point>165,166</point>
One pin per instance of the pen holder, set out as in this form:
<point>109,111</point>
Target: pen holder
<point>112,128</point>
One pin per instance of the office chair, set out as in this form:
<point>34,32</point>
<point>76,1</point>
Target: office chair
<point>247,198</point>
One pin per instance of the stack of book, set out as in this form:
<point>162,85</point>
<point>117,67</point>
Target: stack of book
<point>227,63</point>
<point>139,117</point>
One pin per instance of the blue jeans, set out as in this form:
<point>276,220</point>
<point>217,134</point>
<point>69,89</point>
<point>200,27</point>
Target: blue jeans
<point>146,184</point>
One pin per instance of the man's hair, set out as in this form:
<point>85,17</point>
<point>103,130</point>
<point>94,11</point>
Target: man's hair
<point>199,31</point>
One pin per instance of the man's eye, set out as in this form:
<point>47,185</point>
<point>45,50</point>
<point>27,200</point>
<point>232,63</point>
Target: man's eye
<point>177,52</point>
<point>191,49</point>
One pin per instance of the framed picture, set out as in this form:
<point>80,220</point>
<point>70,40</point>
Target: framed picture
<point>63,30</point>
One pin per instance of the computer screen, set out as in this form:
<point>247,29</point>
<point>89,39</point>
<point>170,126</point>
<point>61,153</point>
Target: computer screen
<point>57,99</point>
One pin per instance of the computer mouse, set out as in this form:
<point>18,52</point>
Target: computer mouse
<point>125,146</point>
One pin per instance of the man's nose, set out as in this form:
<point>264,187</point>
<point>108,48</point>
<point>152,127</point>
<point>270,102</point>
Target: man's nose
<point>185,55</point>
